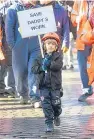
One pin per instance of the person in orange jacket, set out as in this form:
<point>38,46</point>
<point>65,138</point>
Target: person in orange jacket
<point>81,12</point>
<point>90,33</point>
<point>1,53</point>
<point>7,82</point>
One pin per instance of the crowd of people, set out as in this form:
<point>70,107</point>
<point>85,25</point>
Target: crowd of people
<point>24,73</point>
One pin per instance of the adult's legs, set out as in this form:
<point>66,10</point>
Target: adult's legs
<point>2,74</point>
<point>68,57</point>
<point>65,61</point>
<point>20,67</point>
<point>70,54</point>
<point>9,76</point>
<point>9,80</point>
<point>33,79</point>
<point>82,61</point>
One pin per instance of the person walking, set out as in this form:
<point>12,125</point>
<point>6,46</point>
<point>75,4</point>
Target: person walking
<point>24,51</point>
<point>80,14</point>
<point>28,49</point>
<point>49,70</point>
<point>62,22</point>
<point>68,62</point>
<point>7,82</point>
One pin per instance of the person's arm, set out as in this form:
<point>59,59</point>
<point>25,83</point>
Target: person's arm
<point>10,23</point>
<point>87,35</point>
<point>75,13</point>
<point>66,30</point>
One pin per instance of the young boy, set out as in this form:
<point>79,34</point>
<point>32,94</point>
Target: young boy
<point>51,83</point>
<point>50,80</point>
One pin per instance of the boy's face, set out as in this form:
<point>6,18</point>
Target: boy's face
<point>50,45</point>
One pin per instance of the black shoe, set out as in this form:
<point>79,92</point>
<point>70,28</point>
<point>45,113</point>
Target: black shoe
<point>83,97</point>
<point>57,121</point>
<point>49,127</point>
<point>2,91</point>
<point>10,93</point>
<point>64,67</point>
<point>71,67</point>
<point>61,92</point>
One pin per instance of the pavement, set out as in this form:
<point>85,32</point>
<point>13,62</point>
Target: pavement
<point>24,122</point>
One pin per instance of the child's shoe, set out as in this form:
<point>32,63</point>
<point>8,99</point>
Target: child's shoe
<point>64,67</point>
<point>57,121</point>
<point>49,127</point>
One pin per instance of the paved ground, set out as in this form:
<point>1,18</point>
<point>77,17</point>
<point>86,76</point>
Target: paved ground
<point>24,122</point>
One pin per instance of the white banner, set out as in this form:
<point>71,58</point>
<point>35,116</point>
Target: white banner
<point>37,21</point>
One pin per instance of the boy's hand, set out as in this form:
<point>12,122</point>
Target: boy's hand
<point>46,63</point>
<point>64,49</point>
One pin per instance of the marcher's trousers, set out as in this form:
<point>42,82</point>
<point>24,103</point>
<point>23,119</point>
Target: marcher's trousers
<point>51,104</point>
<point>82,61</point>
<point>68,57</point>
<point>7,82</point>
<point>2,73</point>
<point>23,55</point>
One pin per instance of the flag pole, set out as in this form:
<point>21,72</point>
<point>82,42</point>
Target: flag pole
<point>41,49</point>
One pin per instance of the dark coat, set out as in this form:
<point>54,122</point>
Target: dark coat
<point>52,79</point>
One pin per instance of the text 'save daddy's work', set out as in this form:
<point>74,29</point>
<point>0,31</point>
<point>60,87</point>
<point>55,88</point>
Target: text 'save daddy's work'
<point>36,21</point>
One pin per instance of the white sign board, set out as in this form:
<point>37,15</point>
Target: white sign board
<point>37,21</point>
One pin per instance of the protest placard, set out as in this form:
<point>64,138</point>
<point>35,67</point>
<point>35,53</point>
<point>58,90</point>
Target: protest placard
<point>36,21</point>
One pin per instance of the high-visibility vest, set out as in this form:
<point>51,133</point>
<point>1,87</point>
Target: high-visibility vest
<point>80,6</point>
<point>87,37</point>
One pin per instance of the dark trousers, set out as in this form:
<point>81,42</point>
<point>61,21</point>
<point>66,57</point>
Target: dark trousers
<point>7,81</point>
<point>82,61</point>
<point>51,104</point>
